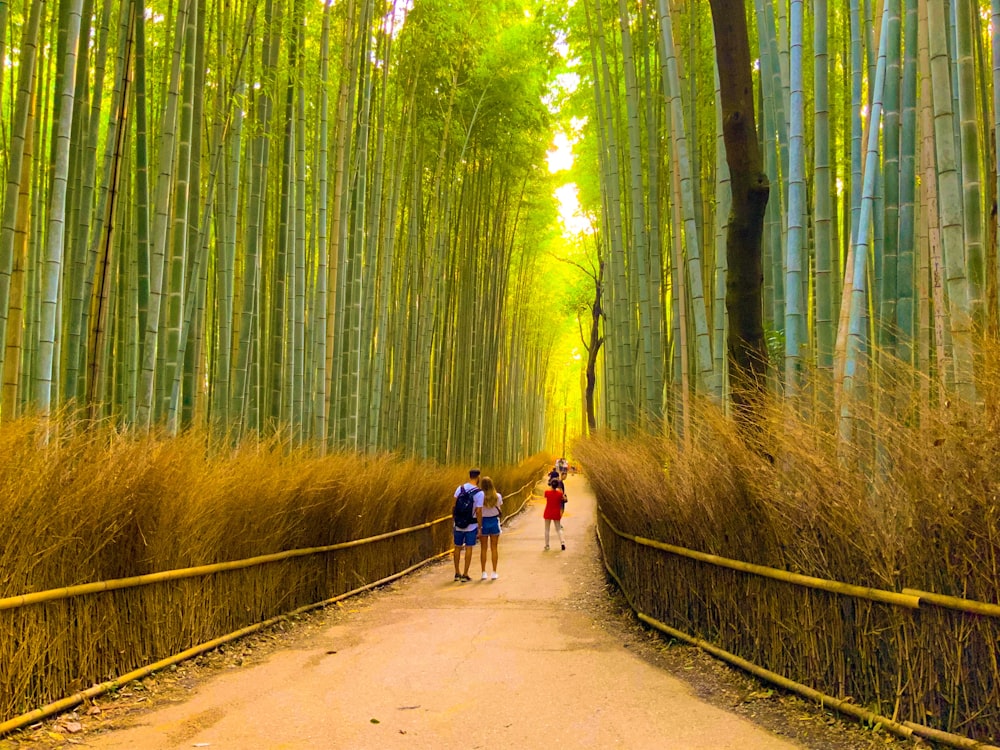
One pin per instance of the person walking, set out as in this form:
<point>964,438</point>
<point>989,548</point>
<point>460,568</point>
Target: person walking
<point>554,503</point>
<point>489,531</point>
<point>466,515</point>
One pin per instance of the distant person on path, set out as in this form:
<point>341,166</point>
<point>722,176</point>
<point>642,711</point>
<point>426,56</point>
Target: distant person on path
<point>554,499</point>
<point>554,476</point>
<point>466,515</point>
<point>556,481</point>
<point>489,532</point>
<point>562,466</point>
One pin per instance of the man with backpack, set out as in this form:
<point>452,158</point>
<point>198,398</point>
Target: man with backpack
<point>467,515</point>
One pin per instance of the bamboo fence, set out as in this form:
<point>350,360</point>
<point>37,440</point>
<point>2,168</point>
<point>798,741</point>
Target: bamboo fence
<point>890,654</point>
<point>131,627</point>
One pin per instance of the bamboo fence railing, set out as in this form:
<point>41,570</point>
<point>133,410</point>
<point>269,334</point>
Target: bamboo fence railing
<point>64,595</point>
<point>909,600</point>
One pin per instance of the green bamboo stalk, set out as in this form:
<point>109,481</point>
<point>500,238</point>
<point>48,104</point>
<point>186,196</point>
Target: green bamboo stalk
<point>145,410</point>
<point>384,224</point>
<point>655,274</point>
<point>243,403</point>
<point>907,188</point>
<point>692,243</point>
<point>961,300</point>
<point>651,369</point>
<point>995,44</point>
<point>723,202</point>
<point>354,366</point>
<point>794,317</point>
<point>276,310</point>
<point>680,304</point>
<point>141,173</point>
<point>857,102</point>
<point>938,348</point>
<point>16,172</point>
<point>193,375</point>
<point>98,353</point>
<point>78,182</point>
<point>320,429</point>
<point>225,265</point>
<point>823,181</point>
<point>46,368</point>
<point>621,338</point>
<point>857,337</point>
<point>178,259</point>
<point>298,363</point>
<point>967,19</point>
<point>4,13</point>
<point>889,289</point>
<point>16,289</point>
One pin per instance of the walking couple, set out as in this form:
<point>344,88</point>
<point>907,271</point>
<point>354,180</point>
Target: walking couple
<point>476,514</point>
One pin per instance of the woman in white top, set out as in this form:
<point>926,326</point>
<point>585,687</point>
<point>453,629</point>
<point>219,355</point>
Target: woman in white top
<point>489,530</point>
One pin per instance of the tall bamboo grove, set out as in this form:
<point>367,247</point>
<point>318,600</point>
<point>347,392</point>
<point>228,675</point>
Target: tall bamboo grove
<point>273,215</point>
<point>877,125</point>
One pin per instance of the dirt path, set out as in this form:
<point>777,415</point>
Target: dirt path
<point>520,662</point>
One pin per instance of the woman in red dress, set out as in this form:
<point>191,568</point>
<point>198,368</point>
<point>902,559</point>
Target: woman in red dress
<point>554,502</point>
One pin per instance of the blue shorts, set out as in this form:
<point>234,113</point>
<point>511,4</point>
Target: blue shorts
<point>465,538</point>
<point>491,525</point>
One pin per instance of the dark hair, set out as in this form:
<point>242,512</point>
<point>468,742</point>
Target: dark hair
<point>554,483</point>
<point>473,473</point>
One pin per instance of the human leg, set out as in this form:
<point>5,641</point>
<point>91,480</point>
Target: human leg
<point>495,552</point>
<point>468,562</point>
<point>459,543</point>
<point>559,529</point>
<point>548,523</point>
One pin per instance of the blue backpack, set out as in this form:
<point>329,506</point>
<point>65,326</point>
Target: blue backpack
<point>464,511</point>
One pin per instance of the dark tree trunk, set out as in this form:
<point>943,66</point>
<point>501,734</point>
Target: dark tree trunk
<point>747,347</point>
<point>593,347</point>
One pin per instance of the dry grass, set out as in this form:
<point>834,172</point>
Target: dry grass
<point>911,501</point>
<point>92,505</point>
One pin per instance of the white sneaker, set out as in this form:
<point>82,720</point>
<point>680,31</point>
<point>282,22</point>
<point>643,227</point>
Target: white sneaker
<point>546,546</point>
<point>494,576</point>
<point>484,576</point>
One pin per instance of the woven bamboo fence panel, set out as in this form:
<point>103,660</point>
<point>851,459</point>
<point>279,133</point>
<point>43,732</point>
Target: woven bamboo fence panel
<point>930,665</point>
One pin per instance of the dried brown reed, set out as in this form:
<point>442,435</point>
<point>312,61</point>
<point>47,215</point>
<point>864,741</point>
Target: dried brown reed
<point>82,504</point>
<point>909,501</point>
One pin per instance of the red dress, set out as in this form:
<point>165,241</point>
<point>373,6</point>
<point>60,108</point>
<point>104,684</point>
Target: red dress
<point>553,505</point>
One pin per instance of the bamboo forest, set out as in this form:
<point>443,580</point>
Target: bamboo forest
<point>738,259</point>
<point>337,220</point>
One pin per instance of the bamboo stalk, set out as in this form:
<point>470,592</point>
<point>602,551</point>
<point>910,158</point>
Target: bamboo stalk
<point>947,738</point>
<point>92,692</point>
<point>906,729</point>
<point>955,602</point>
<point>836,587</point>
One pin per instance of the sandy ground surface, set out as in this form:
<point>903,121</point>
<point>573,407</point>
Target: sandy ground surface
<point>539,658</point>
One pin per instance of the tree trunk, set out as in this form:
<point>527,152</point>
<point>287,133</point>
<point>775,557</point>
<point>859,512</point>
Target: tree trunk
<point>747,349</point>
